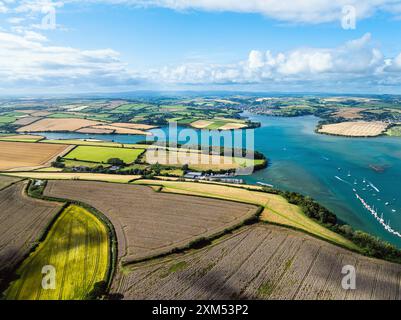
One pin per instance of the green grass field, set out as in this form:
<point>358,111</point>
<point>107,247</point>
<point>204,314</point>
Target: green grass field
<point>394,131</point>
<point>92,116</point>
<point>77,246</point>
<point>130,107</point>
<point>216,125</point>
<point>103,154</point>
<point>7,119</point>
<point>73,163</point>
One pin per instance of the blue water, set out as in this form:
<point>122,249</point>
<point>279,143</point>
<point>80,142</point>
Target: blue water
<point>303,161</point>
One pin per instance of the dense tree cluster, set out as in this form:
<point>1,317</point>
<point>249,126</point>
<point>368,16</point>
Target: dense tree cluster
<point>370,245</point>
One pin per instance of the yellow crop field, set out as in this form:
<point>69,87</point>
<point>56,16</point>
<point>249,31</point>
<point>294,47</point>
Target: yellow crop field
<point>277,209</point>
<point>77,246</point>
<point>197,161</point>
<point>355,128</point>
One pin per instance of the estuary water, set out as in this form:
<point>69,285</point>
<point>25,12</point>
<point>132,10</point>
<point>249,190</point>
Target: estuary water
<point>358,179</point>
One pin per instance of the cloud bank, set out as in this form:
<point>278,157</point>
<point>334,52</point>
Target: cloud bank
<point>29,60</point>
<point>356,61</point>
<point>293,11</point>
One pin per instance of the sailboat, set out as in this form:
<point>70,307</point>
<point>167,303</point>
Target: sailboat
<point>349,173</point>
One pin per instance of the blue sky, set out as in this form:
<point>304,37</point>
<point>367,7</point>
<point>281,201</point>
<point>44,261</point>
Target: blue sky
<point>199,45</point>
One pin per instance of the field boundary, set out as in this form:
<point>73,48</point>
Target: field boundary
<point>13,276</point>
<point>269,222</point>
<point>113,248</point>
<point>14,174</point>
<point>202,242</point>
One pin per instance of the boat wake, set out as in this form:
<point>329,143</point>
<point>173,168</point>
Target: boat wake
<point>373,186</point>
<point>342,180</point>
<point>374,213</point>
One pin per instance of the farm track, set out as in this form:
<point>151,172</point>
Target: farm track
<point>23,221</point>
<point>261,262</point>
<point>148,223</point>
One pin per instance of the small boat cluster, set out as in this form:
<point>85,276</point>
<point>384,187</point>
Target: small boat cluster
<point>376,215</point>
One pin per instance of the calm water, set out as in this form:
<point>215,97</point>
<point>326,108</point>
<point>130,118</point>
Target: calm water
<point>303,161</point>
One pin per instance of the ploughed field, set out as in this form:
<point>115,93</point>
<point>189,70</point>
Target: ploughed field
<point>149,223</point>
<point>261,262</point>
<point>5,181</point>
<point>77,246</point>
<point>26,156</point>
<point>277,210</point>
<point>23,221</point>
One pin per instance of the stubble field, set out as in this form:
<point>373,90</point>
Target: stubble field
<point>149,223</point>
<point>261,262</point>
<point>355,129</point>
<point>276,209</point>
<point>68,124</point>
<point>25,156</point>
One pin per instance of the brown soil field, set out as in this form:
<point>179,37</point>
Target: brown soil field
<point>276,209</point>
<point>23,222</point>
<point>120,130</point>
<point>94,130</point>
<point>349,113</point>
<point>22,137</point>
<point>28,156</point>
<point>355,129</point>
<point>260,262</point>
<point>58,125</point>
<point>5,181</point>
<point>40,113</point>
<point>149,223</point>
<point>137,126</point>
<point>201,124</point>
<point>233,126</point>
<point>27,120</point>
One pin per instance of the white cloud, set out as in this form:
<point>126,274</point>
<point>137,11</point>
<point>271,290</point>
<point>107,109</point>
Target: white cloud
<point>28,60</point>
<point>294,11</point>
<point>3,7</point>
<point>356,60</point>
<point>305,11</point>
<point>25,61</point>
